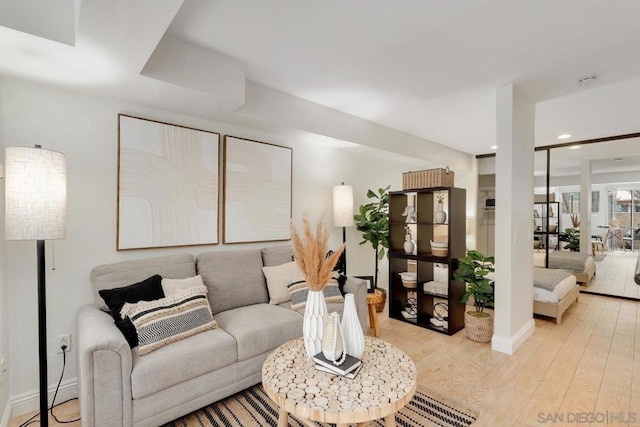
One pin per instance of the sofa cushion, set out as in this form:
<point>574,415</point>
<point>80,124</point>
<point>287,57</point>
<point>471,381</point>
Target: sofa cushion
<point>234,278</point>
<point>181,361</point>
<point>124,273</point>
<point>276,255</point>
<point>260,327</point>
<point>300,291</point>
<point>146,290</point>
<point>338,307</point>
<point>278,279</point>
<point>171,287</point>
<point>161,322</point>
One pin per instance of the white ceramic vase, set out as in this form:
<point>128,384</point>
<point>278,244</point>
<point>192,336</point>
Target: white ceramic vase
<point>332,337</point>
<point>351,328</point>
<point>408,245</point>
<point>313,322</point>
<point>441,215</point>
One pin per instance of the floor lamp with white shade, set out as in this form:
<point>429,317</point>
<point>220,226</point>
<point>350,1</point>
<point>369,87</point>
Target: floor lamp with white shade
<point>35,209</point>
<point>343,215</point>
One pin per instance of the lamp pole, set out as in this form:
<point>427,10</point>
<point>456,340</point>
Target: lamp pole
<point>343,256</point>
<point>42,335</point>
<point>343,215</point>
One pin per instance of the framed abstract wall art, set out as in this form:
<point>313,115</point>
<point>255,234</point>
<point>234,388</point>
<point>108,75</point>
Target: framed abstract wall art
<point>257,191</point>
<point>168,177</point>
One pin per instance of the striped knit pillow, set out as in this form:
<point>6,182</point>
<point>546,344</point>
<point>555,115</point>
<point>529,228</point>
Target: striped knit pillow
<point>170,319</point>
<point>299,292</point>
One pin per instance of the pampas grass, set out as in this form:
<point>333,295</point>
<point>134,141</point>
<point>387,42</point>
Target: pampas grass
<point>311,253</point>
<point>575,220</point>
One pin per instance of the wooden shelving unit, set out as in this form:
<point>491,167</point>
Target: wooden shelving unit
<point>544,217</point>
<point>424,261</point>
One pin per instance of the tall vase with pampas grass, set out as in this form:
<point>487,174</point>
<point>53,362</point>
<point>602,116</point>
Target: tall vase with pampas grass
<point>311,256</point>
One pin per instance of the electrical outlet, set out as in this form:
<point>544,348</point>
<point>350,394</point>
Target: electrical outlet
<point>64,340</point>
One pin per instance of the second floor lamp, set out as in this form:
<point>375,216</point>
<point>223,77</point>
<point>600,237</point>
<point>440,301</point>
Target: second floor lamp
<point>343,215</point>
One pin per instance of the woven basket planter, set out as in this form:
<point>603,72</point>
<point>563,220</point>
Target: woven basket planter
<point>383,300</point>
<point>479,329</point>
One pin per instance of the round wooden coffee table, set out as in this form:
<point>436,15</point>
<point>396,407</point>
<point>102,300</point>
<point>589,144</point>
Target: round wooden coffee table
<point>386,383</point>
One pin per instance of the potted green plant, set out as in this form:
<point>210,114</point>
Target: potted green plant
<point>473,270</point>
<point>572,237</point>
<point>373,221</point>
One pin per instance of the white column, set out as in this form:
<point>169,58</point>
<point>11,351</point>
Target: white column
<point>585,206</point>
<point>515,120</point>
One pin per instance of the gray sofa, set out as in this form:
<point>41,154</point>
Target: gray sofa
<point>118,387</point>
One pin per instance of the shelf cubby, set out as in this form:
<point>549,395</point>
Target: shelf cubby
<point>426,265</point>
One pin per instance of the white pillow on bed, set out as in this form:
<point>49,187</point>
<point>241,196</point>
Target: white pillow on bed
<point>538,259</point>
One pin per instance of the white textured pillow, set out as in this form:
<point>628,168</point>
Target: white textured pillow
<point>278,279</point>
<point>171,287</point>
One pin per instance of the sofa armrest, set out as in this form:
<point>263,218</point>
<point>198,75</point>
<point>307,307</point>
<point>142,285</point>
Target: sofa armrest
<point>358,288</point>
<point>104,370</point>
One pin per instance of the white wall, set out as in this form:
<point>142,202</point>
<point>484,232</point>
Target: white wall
<point>4,318</point>
<point>85,128</point>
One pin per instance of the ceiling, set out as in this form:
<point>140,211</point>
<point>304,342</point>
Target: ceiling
<point>423,68</point>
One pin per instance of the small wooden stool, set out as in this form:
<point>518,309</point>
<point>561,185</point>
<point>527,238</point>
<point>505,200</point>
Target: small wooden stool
<point>372,300</point>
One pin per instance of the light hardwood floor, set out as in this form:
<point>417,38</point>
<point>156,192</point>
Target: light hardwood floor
<point>589,364</point>
<point>614,274</point>
<point>66,411</point>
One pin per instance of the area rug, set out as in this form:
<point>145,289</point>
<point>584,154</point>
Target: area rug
<point>599,257</point>
<point>252,407</point>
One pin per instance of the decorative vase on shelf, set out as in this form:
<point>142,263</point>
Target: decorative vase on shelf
<point>408,245</point>
<point>332,338</point>
<point>351,328</point>
<point>441,215</point>
<point>313,322</point>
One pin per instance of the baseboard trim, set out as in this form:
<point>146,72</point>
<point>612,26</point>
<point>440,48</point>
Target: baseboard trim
<point>29,401</point>
<point>511,345</point>
<point>6,415</point>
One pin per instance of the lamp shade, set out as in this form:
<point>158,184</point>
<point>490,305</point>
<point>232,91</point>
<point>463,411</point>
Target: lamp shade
<point>35,194</point>
<point>343,206</point>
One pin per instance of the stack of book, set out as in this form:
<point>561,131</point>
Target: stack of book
<point>349,368</point>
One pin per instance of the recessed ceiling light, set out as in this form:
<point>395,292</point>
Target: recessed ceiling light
<point>574,147</point>
<point>564,136</point>
<point>494,147</point>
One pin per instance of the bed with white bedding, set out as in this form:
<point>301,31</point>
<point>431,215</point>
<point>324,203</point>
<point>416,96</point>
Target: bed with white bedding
<point>553,292</point>
<point>582,266</point>
<point>549,299</point>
